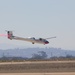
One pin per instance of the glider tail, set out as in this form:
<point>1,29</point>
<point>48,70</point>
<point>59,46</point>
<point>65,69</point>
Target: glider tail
<point>10,35</point>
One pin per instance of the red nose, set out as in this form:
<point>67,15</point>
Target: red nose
<point>46,42</point>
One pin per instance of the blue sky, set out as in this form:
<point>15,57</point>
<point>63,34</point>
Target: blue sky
<point>39,18</point>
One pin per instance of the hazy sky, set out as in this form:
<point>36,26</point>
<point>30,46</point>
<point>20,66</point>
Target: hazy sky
<point>39,18</point>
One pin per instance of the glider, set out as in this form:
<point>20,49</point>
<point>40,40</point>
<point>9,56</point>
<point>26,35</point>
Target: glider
<point>33,40</point>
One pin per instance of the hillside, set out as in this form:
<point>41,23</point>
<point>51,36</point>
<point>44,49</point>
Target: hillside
<point>27,52</point>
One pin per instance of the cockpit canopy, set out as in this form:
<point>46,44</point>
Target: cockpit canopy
<point>40,39</point>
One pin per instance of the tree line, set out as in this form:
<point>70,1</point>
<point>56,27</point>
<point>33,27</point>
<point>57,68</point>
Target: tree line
<point>41,55</point>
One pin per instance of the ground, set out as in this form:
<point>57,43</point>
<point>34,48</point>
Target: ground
<point>38,68</point>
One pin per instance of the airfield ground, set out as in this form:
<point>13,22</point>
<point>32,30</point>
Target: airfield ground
<point>39,67</point>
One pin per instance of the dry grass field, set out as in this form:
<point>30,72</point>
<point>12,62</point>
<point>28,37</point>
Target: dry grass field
<point>37,67</point>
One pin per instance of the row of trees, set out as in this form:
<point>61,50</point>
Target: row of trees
<point>41,55</point>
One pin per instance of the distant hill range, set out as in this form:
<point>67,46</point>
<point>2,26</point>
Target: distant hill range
<point>27,52</point>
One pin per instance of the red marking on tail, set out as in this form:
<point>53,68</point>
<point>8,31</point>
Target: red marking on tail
<point>9,36</point>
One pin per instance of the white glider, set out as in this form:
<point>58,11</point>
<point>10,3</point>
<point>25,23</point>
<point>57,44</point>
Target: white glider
<point>30,39</point>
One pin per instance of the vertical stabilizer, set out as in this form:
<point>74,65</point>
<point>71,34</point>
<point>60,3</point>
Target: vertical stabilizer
<point>10,35</point>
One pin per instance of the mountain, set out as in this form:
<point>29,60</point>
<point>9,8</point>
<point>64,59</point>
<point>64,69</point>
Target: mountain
<point>27,52</point>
